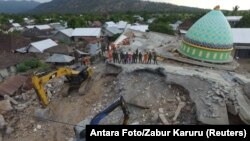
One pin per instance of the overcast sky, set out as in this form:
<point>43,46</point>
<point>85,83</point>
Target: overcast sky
<point>210,4</point>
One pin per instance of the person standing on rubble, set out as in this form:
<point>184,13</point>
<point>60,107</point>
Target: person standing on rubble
<point>133,57</point>
<point>155,57</point>
<point>129,57</point>
<point>136,51</point>
<point>140,57</point>
<point>136,56</point>
<point>110,55</point>
<point>118,57</point>
<point>122,57</point>
<point>113,55</point>
<point>126,58</point>
<point>149,57</point>
<point>103,48</point>
<point>145,58</point>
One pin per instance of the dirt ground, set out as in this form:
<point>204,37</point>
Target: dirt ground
<point>138,88</point>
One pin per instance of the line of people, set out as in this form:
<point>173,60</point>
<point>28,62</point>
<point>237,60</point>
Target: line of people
<point>132,57</point>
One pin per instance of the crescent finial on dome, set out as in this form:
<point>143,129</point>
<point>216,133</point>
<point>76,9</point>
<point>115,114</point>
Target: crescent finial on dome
<point>217,7</point>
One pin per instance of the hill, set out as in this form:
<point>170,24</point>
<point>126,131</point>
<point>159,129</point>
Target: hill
<point>91,6</point>
<point>17,6</point>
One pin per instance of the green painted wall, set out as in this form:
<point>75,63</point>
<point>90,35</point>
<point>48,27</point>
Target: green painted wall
<point>205,55</point>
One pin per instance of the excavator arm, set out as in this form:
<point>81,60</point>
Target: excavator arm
<point>80,130</point>
<point>119,102</point>
<point>39,81</point>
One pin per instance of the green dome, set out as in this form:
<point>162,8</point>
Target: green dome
<point>211,31</point>
<point>209,39</point>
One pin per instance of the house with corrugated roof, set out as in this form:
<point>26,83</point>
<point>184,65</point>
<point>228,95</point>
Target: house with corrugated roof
<point>87,34</point>
<point>111,31</point>
<point>40,46</point>
<point>233,19</point>
<point>64,35</point>
<point>138,27</point>
<point>37,30</point>
<point>56,26</point>
<point>16,27</point>
<point>241,42</point>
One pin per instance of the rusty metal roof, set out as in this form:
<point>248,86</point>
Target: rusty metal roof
<point>12,84</point>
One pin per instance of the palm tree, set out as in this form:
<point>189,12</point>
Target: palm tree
<point>235,9</point>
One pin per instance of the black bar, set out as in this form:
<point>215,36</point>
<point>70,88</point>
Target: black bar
<point>161,132</point>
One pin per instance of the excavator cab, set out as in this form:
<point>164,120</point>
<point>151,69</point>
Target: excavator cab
<point>78,78</point>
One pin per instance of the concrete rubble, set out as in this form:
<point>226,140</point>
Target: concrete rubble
<point>247,90</point>
<point>42,114</point>
<point>212,94</point>
<point>166,93</point>
<point>5,106</point>
<point>2,122</point>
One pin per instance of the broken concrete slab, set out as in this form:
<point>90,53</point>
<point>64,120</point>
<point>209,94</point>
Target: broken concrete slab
<point>12,85</point>
<point>247,90</point>
<point>9,130</point>
<point>163,119</point>
<point>42,114</point>
<point>4,73</point>
<point>244,106</point>
<point>208,112</point>
<point>21,107</point>
<point>232,108</point>
<point>12,100</point>
<point>2,122</point>
<point>178,110</point>
<point>5,106</point>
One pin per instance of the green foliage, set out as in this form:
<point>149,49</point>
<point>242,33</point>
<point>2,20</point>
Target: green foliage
<point>235,10</point>
<point>61,42</point>
<point>44,67</point>
<point>3,19</point>
<point>75,22</point>
<point>244,22</point>
<point>161,27</point>
<point>196,17</point>
<point>32,64</point>
<point>22,68</point>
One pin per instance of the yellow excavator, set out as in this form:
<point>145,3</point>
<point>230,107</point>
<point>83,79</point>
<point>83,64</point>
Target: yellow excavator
<point>75,78</point>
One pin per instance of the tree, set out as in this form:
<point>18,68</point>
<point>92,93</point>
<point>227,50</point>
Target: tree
<point>244,22</point>
<point>196,17</point>
<point>235,10</point>
<point>161,27</point>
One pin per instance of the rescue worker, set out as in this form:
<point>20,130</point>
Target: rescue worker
<point>133,57</point>
<point>155,57</point>
<point>149,57</point>
<point>140,57</point>
<point>126,58</point>
<point>129,57</point>
<point>103,48</point>
<point>145,58</point>
<point>122,57</point>
<point>113,55</point>
<point>110,55</point>
<point>118,57</point>
<point>136,57</point>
